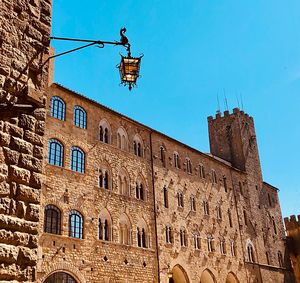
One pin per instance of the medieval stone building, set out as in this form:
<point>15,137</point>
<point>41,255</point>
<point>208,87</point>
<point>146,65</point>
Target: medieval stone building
<point>292,226</point>
<point>89,195</point>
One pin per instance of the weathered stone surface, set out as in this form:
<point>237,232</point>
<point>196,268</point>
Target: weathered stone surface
<point>31,163</point>
<point>38,152</point>
<point>8,253</point>
<point>28,194</point>
<point>21,145</point>
<point>5,205</point>
<point>12,156</point>
<point>4,139</point>
<point>13,130</point>
<point>40,128</point>
<point>33,138</point>
<point>20,209</point>
<point>11,223</point>
<point>4,189</point>
<point>32,213</point>
<point>36,180</point>
<point>40,114</point>
<point>27,256</point>
<point>27,122</point>
<point>19,175</point>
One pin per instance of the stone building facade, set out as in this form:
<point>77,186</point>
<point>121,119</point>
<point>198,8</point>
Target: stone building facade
<point>292,225</point>
<point>122,202</point>
<point>24,49</point>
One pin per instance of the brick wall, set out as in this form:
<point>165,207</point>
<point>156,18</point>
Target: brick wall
<point>24,42</point>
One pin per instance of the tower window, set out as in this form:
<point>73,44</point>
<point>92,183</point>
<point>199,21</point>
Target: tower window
<point>139,191</point>
<point>169,235</point>
<point>176,160</point>
<point>206,207</point>
<point>214,176</point>
<point>183,237</point>
<point>201,171</point>
<point>193,203</point>
<point>58,108</point>
<point>180,199</point>
<point>162,155</point>
<point>55,152</point>
<point>250,253</point>
<point>75,224</point>
<point>52,220</point>
<point>166,197</point>
<point>79,117</point>
<point>77,159</point>
<point>188,166</point>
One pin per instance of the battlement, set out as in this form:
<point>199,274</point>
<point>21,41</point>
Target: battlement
<point>235,112</point>
<point>292,222</point>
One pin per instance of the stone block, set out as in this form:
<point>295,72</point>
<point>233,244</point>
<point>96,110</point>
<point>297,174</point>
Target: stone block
<point>40,128</point>
<point>40,114</point>
<point>20,175</point>
<point>27,122</point>
<point>27,256</point>
<point>13,130</point>
<point>21,145</point>
<point>33,138</point>
<point>4,205</point>
<point>38,152</point>
<point>12,156</point>
<point>4,139</point>
<point>4,189</point>
<point>15,224</point>
<point>8,253</point>
<point>28,194</point>
<point>36,180</point>
<point>20,209</point>
<point>31,163</point>
<point>32,212</point>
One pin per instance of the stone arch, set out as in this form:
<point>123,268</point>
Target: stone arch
<point>62,267</point>
<point>231,278</point>
<point>105,225</point>
<point>125,229</point>
<point>137,140</point>
<point>207,277</point>
<point>122,139</point>
<point>179,275</point>
<point>105,125</point>
<point>124,182</point>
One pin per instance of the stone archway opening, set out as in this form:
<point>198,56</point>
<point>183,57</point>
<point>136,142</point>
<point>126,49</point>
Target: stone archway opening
<point>231,278</point>
<point>60,277</point>
<point>207,277</point>
<point>178,275</point>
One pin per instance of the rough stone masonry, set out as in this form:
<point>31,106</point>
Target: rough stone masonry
<point>24,48</point>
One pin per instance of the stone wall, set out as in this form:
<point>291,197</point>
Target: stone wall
<point>93,259</point>
<point>292,225</point>
<point>24,42</point>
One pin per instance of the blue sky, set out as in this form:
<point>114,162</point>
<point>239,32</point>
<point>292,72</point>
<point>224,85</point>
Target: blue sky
<point>195,51</point>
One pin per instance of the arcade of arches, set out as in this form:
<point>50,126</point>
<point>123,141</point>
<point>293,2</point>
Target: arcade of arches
<point>179,276</point>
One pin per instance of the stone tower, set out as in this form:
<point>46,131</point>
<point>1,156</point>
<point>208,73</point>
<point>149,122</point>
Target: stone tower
<point>24,48</point>
<point>233,139</point>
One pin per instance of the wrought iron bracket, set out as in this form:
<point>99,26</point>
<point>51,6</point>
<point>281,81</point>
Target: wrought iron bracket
<point>99,43</point>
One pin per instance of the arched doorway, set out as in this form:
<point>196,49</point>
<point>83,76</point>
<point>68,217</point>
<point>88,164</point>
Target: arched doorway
<point>178,275</point>
<point>207,277</point>
<point>231,278</point>
<point>60,277</point>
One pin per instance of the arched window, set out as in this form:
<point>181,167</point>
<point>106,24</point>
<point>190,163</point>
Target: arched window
<point>232,248</point>
<point>206,207</point>
<point>60,277</point>
<point>225,184</point>
<point>104,179</point>
<point>52,220</point>
<point>122,139</point>
<point>188,166</point>
<point>268,258</point>
<point>123,183</point>
<point>139,191</point>
<point>58,108</point>
<point>77,159</point>
<point>104,131</point>
<point>169,234</point>
<point>193,203</point>
<point>214,176</point>
<point>75,224</point>
<point>104,226</point>
<point>201,171</point>
<point>142,232</point>
<point>219,212</point>
<point>166,197</point>
<point>180,201</point>
<point>229,218</point>
<point>250,253</point>
<point>222,247</point>
<point>79,117</point>
<point>125,230</point>
<point>138,146</point>
<point>280,260</point>
<point>162,155</point>
<point>210,244</point>
<point>245,217</point>
<point>197,241</point>
<point>183,237</point>
<point>176,160</point>
<point>55,152</point>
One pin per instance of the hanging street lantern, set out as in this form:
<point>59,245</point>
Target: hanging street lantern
<point>129,67</point>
